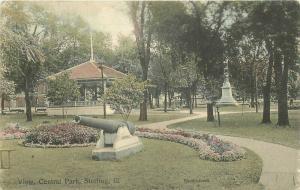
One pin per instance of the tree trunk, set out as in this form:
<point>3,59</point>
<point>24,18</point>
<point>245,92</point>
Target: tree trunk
<point>281,78</point>
<point>190,100</point>
<point>143,108</point>
<point>195,98</point>
<point>166,98</point>
<point>150,101</point>
<point>283,116</point>
<point>143,105</point>
<point>180,100</point>
<point>143,45</point>
<point>2,104</point>
<point>210,112</point>
<point>256,95</point>
<point>28,104</point>
<point>170,98</point>
<point>267,90</point>
<point>251,89</point>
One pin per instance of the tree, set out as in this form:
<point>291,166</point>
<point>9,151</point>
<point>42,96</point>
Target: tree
<point>186,73</point>
<point>7,89</point>
<point>125,95</point>
<point>68,43</point>
<point>168,23</point>
<point>20,40</point>
<point>267,87</point>
<point>161,70</point>
<point>248,57</point>
<point>140,15</point>
<point>294,85</point>
<point>126,56</point>
<point>204,39</point>
<point>62,89</point>
<point>279,29</point>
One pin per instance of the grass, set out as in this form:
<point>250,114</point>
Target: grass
<point>38,119</point>
<point>248,125</point>
<point>239,108</point>
<point>161,165</point>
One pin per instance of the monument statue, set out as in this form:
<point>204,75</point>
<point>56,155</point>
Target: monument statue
<point>117,138</point>
<point>226,98</point>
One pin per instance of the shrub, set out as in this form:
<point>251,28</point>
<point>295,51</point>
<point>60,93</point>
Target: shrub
<point>125,94</point>
<point>61,134</point>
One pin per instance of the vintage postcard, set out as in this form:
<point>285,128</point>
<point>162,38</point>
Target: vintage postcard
<point>149,95</point>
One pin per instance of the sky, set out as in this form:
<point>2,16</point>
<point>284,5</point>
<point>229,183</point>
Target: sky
<point>106,16</point>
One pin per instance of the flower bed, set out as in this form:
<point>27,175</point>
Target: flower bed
<point>209,146</point>
<point>31,145</point>
<point>13,132</point>
<point>61,135</point>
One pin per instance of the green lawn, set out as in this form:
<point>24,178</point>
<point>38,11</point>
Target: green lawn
<point>161,165</point>
<point>239,108</point>
<point>248,125</point>
<point>38,119</point>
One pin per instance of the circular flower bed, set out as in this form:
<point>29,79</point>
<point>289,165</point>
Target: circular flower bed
<point>61,135</point>
<point>209,146</point>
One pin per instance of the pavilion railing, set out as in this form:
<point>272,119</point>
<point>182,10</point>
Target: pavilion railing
<point>76,104</point>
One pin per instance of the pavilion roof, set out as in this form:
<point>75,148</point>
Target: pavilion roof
<point>90,70</point>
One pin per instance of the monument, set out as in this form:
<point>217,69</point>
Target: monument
<point>117,138</point>
<point>226,98</point>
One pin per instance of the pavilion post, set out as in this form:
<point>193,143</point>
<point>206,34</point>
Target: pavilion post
<point>103,87</point>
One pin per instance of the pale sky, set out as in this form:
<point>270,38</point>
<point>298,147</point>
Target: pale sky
<point>106,16</point>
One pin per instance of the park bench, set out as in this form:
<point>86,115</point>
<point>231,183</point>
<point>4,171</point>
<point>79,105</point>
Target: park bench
<point>19,110</point>
<point>41,109</point>
<point>8,156</point>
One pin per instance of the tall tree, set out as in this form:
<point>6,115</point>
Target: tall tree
<point>187,76</point>
<point>204,35</point>
<point>22,55</point>
<point>140,15</point>
<point>68,43</point>
<point>168,23</point>
<point>126,56</point>
<point>161,70</point>
<point>279,27</point>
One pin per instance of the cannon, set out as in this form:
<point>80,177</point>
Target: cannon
<point>108,126</point>
<point>117,139</point>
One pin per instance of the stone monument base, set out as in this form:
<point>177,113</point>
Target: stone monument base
<point>124,148</point>
<point>227,103</point>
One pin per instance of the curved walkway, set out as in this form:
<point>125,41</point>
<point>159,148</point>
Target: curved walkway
<point>279,170</point>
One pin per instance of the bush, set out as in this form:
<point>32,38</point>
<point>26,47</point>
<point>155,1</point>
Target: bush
<point>61,134</point>
<point>209,146</point>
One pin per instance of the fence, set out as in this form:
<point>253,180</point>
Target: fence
<point>76,104</point>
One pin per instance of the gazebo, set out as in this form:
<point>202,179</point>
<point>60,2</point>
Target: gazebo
<point>93,78</point>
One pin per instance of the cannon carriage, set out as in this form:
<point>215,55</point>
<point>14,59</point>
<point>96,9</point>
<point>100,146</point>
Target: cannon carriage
<point>117,139</point>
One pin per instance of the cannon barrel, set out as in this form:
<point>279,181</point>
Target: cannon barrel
<point>108,126</point>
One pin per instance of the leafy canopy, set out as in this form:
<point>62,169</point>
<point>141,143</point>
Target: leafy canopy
<point>125,94</point>
<point>62,89</point>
